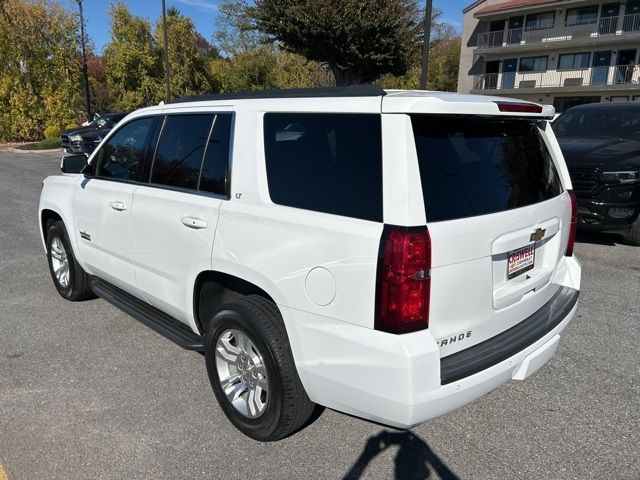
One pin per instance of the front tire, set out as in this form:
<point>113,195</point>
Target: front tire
<point>252,372</point>
<point>71,281</point>
<point>633,237</point>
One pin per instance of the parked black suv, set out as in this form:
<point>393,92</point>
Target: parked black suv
<point>601,146</point>
<point>86,139</point>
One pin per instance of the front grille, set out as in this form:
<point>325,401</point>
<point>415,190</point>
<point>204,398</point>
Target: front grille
<point>584,181</point>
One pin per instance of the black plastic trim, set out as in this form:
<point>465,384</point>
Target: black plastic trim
<point>348,91</point>
<point>517,338</point>
<point>150,316</point>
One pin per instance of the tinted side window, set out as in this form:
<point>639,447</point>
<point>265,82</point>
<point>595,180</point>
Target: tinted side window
<point>180,149</point>
<point>476,166</point>
<point>215,169</point>
<point>328,163</point>
<point>122,154</point>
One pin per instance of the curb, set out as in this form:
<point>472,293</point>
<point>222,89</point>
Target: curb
<point>11,149</point>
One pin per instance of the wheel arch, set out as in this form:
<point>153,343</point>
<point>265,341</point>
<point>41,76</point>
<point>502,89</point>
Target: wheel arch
<point>213,288</point>
<point>47,217</point>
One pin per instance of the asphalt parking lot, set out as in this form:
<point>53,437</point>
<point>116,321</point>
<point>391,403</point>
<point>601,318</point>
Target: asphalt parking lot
<point>86,392</point>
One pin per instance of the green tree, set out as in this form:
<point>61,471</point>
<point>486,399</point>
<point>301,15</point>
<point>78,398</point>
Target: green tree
<point>236,32</point>
<point>359,40</point>
<point>444,61</point>
<point>266,68</point>
<point>189,73</point>
<point>132,61</point>
<point>444,57</point>
<point>40,81</point>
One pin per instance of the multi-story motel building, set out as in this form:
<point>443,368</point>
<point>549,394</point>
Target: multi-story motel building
<point>556,52</point>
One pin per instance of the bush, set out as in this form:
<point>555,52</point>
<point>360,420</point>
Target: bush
<point>51,132</point>
<point>48,144</point>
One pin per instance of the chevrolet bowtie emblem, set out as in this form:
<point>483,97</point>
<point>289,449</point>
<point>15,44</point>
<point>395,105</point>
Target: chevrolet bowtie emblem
<point>538,235</point>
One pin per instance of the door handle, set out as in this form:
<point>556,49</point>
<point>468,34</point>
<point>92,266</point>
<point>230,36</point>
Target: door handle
<point>119,206</point>
<point>194,222</point>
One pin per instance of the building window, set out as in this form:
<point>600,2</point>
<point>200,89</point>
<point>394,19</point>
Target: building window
<point>538,21</point>
<point>533,64</point>
<point>636,98</point>
<point>580,16</point>
<point>573,61</point>
<point>563,103</point>
<point>619,98</point>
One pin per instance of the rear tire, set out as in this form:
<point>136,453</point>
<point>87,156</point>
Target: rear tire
<point>71,281</point>
<point>633,237</point>
<point>252,372</point>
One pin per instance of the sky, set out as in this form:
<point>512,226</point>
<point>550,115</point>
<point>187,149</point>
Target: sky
<point>203,13</point>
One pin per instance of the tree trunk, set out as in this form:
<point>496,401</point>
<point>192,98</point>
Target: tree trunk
<point>347,77</point>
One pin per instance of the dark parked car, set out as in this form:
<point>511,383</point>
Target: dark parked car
<point>86,139</point>
<point>601,146</point>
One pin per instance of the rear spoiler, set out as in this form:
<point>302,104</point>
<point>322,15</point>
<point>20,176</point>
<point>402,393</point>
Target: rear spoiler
<point>435,103</point>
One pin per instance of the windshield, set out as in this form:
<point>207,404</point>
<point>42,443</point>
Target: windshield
<point>599,123</point>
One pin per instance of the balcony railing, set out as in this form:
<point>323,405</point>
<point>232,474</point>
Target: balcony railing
<point>630,25</point>
<point>583,77</point>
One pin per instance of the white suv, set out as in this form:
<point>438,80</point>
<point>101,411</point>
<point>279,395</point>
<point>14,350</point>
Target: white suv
<point>392,255</point>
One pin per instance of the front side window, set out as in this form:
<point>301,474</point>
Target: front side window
<point>121,156</point>
<point>180,150</point>
<point>533,64</point>
<point>475,166</point>
<point>574,61</point>
<point>329,163</point>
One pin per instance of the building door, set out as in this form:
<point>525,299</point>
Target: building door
<point>496,33</point>
<point>496,26</point>
<point>632,16</point>
<point>600,67</point>
<point>509,67</point>
<point>515,29</point>
<point>492,70</point>
<point>609,18</point>
<point>625,65</point>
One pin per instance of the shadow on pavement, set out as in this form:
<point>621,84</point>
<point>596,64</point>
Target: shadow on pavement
<point>596,238</point>
<point>414,460</point>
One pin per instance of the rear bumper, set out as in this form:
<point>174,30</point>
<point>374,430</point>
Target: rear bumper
<point>400,380</point>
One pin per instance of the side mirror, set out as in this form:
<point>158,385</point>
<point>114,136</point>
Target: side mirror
<point>89,170</point>
<point>73,163</point>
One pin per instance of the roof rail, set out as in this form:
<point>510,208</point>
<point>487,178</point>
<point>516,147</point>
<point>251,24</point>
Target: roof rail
<point>368,90</point>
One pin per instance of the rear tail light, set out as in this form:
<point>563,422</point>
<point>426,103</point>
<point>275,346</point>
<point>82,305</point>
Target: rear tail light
<point>574,223</point>
<point>404,280</point>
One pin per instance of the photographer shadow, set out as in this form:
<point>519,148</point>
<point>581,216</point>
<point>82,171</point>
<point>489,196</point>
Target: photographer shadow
<point>414,460</point>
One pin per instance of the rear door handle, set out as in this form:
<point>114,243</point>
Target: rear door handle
<point>194,222</point>
<point>119,206</point>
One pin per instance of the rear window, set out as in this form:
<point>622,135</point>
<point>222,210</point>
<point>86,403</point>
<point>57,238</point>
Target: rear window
<point>325,162</point>
<point>180,150</point>
<point>476,166</point>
